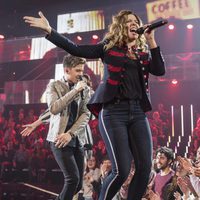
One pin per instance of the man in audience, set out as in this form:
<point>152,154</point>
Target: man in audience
<point>164,160</point>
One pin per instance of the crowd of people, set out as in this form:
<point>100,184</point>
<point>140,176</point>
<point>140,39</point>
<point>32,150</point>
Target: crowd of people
<point>21,156</point>
<point>129,53</point>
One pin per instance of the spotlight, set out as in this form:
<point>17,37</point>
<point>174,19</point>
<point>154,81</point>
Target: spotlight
<point>171,27</point>
<point>174,82</point>
<point>79,38</point>
<point>2,37</point>
<point>95,37</point>
<point>189,26</point>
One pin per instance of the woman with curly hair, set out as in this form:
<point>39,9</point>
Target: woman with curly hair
<point>122,97</point>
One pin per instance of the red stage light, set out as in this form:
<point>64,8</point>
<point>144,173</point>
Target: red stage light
<point>171,27</point>
<point>174,81</point>
<point>79,38</point>
<point>95,37</point>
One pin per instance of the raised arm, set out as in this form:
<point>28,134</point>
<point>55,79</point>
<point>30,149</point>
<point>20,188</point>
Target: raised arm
<point>157,65</point>
<point>39,22</point>
<point>85,51</point>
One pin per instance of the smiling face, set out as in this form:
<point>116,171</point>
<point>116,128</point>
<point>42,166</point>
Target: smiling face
<point>132,25</point>
<point>73,74</point>
<point>91,163</point>
<point>162,162</point>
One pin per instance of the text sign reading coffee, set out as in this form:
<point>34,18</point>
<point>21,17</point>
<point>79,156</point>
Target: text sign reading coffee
<point>180,9</point>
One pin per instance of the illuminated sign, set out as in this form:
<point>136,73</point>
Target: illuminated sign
<point>180,9</point>
<point>39,47</point>
<point>80,22</point>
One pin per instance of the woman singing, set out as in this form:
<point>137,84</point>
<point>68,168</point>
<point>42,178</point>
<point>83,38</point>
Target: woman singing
<point>122,98</point>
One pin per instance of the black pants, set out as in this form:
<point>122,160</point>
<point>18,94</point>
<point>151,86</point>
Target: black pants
<point>126,133</point>
<point>71,162</point>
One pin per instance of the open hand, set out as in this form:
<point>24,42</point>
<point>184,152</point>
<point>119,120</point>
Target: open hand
<point>40,22</point>
<point>29,128</point>
<point>185,163</point>
<point>153,195</point>
<point>62,140</point>
<point>183,185</point>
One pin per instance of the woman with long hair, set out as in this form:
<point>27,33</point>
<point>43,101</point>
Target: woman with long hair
<point>91,178</point>
<point>122,97</point>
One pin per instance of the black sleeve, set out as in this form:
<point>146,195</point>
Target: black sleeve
<point>85,51</point>
<point>157,64</point>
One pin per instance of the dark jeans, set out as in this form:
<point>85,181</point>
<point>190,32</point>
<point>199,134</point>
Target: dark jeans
<point>71,162</point>
<point>126,133</point>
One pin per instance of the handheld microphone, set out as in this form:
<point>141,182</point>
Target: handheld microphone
<point>81,79</point>
<point>151,26</point>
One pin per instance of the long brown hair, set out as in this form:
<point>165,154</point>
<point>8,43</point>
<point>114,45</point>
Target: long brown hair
<point>118,34</point>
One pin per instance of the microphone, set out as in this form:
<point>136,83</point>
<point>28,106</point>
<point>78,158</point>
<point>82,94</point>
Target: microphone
<point>81,79</point>
<point>151,27</point>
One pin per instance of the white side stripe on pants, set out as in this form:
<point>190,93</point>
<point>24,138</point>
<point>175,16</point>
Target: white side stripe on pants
<point>101,118</point>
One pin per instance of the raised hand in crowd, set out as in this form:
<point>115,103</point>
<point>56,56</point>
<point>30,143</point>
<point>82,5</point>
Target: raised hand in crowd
<point>183,186</point>
<point>153,195</point>
<point>105,168</point>
<point>177,196</point>
<point>186,164</point>
<point>189,185</point>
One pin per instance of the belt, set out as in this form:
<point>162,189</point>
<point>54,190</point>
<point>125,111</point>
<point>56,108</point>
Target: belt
<point>124,101</point>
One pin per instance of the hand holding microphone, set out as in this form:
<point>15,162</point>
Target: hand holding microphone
<point>80,86</point>
<point>149,34</point>
<point>150,27</point>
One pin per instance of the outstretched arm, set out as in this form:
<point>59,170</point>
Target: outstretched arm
<point>39,22</point>
<point>29,128</point>
<point>85,51</point>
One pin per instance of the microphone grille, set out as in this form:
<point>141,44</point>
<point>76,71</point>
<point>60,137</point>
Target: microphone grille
<point>140,30</point>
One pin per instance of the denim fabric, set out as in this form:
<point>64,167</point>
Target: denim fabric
<point>71,163</point>
<point>126,133</point>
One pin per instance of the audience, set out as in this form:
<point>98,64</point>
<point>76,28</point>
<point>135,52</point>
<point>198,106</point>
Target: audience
<point>31,156</point>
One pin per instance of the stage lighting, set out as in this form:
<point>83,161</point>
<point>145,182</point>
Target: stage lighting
<point>189,26</point>
<point>79,38</point>
<point>95,37</point>
<point>171,27</point>
<point>174,82</point>
<point>2,37</point>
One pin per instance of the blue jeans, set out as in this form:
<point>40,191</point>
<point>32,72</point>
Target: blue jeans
<point>71,163</point>
<point>126,133</point>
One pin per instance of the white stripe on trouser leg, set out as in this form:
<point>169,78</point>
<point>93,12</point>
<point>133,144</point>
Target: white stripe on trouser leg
<point>112,153</point>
